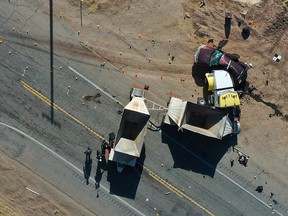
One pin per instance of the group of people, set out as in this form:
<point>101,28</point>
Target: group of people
<point>88,152</point>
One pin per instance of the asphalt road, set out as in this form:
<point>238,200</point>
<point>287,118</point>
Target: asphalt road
<point>195,187</point>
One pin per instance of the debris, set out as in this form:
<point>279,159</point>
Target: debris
<point>147,199</point>
<point>259,189</point>
<point>27,31</point>
<point>187,15</point>
<point>202,3</point>
<point>271,194</point>
<point>69,87</point>
<point>167,193</point>
<point>245,33</point>
<point>277,58</point>
<point>32,191</point>
<point>231,162</point>
<point>227,25</point>
<point>211,40</point>
<point>103,64</point>
<point>243,14</point>
<point>35,44</point>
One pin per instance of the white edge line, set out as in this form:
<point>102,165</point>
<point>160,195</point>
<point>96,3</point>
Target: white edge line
<point>93,84</point>
<point>70,164</point>
<point>225,176</point>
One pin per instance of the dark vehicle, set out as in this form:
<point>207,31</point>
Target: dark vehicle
<point>213,57</point>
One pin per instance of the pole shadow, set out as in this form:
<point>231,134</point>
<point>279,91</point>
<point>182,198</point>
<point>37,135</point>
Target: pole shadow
<point>125,184</point>
<point>195,152</point>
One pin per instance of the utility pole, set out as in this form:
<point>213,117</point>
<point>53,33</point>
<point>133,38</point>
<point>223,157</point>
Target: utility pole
<point>81,2</point>
<point>51,61</point>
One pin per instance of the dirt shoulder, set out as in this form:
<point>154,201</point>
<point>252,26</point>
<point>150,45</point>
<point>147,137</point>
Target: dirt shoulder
<point>16,199</point>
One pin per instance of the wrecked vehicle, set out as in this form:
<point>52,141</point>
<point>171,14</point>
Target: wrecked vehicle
<point>212,57</point>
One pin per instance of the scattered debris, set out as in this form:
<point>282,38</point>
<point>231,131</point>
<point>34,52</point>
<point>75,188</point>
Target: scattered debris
<point>32,191</point>
<point>231,162</point>
<point>187,15</point>
<point>167,193</point>
<point>243,159</point>
<point>202,3</point>
<point>277,58</point>
<point>243,14</point>
<point>245,33</point>
<point>69,87</point>
<point>259,189</point>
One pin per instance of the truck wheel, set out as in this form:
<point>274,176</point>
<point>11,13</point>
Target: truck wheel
<point>201,101</point>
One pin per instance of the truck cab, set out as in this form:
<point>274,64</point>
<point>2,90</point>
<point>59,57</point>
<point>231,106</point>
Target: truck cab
<point>221,92</point>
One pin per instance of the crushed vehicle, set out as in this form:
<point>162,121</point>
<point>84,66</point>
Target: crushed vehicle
<point>212,57</point>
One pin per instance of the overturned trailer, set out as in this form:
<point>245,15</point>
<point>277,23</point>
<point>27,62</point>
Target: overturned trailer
<point>200,119</point>
<point>130,137</point>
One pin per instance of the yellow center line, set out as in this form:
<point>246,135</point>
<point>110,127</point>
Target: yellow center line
<point>48,102</point>
<point>176,190</point>
<point>150,172</point>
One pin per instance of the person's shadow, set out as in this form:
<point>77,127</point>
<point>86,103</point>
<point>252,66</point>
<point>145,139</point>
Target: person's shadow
<point>98,176</point>
<point>87,169</point>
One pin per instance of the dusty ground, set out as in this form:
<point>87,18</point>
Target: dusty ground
<point>16,200</point>
<point>155,29</point>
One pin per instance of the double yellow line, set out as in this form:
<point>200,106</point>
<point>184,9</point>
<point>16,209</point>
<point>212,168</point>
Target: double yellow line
<point>176,190</point>
<point>151,173</point>
<point>49,103</point>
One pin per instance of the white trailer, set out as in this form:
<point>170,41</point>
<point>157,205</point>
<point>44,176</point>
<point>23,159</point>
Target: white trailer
<point>200,119</point>
<point>130,137</point>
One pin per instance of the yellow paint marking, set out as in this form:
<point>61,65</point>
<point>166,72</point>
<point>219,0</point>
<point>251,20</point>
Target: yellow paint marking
<point>151,173</point>
<point>175,190</point>
<point>49,103</point>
